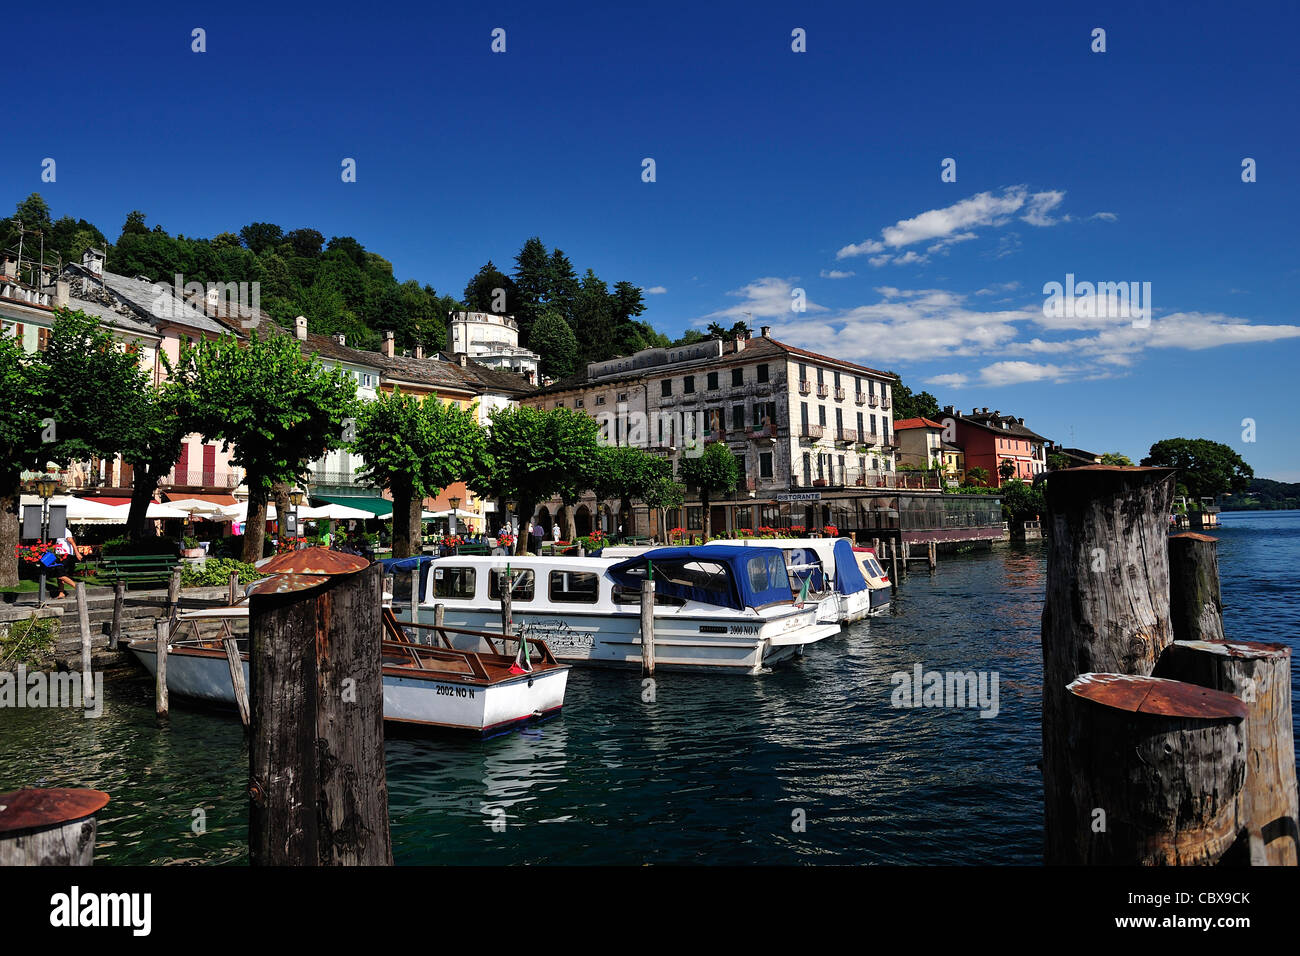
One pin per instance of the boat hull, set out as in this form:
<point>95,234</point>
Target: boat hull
<point>423,701</point>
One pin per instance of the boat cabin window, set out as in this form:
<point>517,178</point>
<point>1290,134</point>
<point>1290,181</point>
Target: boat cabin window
<point>574,587</point>
<point>453,583</point>
<point>622,595</point>
<point>521,587</point>
<point>767,572</point>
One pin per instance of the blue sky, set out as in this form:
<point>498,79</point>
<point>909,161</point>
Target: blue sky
<point>775,171</point>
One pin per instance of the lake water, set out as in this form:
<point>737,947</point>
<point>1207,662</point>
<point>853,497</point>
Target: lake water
<point>808,764</point>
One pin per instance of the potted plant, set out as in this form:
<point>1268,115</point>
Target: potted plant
<point>190,547</point>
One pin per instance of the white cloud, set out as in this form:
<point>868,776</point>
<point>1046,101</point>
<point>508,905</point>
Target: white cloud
<point>948,380</point>
<point>655,290</point>
<point>998,287</point>
<point>766,298</point>
<point>952,224</point>
<point>1016,373</point>
<point>837,274</point>
<point>1105,216</point>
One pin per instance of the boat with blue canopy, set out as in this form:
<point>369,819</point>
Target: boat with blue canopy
<point>717,609</point>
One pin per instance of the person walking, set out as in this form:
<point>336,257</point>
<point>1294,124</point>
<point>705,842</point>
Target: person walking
<point>537,534</point>
<point>66,549</point>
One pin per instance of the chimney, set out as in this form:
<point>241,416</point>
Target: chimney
<point>340,338</point>
<point>463,359</point>
<point>766,331</point>
<point>300,328</point>
<point>62,293</point>
<point>996,412</point>
<point>419,350</point>
<point>211,299</point>
<point>387,347</point>
<point>11,266</point>
<point>949,410</point>
<point>985,411</point>
<point>93,261</point>
<point>1020,421</point>
<point>740,343</point>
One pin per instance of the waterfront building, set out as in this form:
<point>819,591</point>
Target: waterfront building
<point>799,423</point>
<point>491,340</point>
<point>988,439</point>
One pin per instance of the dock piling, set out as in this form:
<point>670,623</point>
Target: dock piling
<point>1195,603</point>
<point>648,622</point>
<point>237,678</point>
<point>161,629</point>
<point>83,625</point>
<point>115,629</point>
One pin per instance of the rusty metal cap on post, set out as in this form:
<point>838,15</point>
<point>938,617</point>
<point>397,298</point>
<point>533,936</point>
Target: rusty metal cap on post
<point>1156,695</point>
<point>40,809</point>
<point>299,570</point>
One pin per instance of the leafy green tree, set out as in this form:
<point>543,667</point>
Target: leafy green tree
<point>1021,501</point>
<point>555,342</point>
<point>593,321</point>
<point>714,473</point>
<point>134,225</point>
<point>534,454</point>
<point>155,425</point>
<point>663,496</point>
<point>977,476</point>
<point>276,408</point>
<point>415,449</point>
<point>532,282</point>
<point>908,404</point>
<point>1115,458</point>
<point>1207,468</point>
<point>23,388</point>
<point>623,473</point>
<point>305,242</point>
<point>1007,469</point>
<point>261,236</point>
<point>481,293</point>
<point>562,296</point>
<point>1056,461</point>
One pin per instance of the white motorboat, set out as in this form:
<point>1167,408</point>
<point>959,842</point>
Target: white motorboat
<point>425,686</point>
<point>877,580</point>
<point>716,609</point>
<point>824,571</point>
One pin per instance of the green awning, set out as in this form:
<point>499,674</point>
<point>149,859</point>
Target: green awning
<point>379,507</point>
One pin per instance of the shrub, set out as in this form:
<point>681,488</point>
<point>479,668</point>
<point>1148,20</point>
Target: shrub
<point>215,573</point>
<point>27,642</point>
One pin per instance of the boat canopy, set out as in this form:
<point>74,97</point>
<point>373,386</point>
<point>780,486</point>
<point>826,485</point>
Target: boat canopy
<point>848,572</point>
<point>712,574</point>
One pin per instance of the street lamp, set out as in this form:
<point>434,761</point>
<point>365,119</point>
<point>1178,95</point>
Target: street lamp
<point>47,486</point>
<point>451,524</point>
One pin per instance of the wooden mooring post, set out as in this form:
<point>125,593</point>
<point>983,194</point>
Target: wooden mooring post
<point>415,593</point>
<point>893,564</point>
<point>54,827</point>
<point>174,593</point>
<point>318,792</point>
<point>83,625</point>
<point>648,621</point>
<point>507,611</point>
<point>237,678</point>
<point>232,593</point>
<point>161,629</point>
<point>1162,751</point>
<point>115,629</point>
<point>1195,604</point>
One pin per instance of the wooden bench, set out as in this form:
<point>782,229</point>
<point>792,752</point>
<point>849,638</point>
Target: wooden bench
<point>137,568</point>
<point>472,549</point>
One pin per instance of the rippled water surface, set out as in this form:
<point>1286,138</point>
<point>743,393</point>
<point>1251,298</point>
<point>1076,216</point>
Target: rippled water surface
<point>714,770</point>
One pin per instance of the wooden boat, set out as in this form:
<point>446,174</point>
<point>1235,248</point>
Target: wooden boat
<point>717,610</point>
<point>425,685</point>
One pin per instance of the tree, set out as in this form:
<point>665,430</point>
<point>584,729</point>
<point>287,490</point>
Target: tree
<point>1115,458</point>
<point>534,454</point>
<point>715,472</point>
<point>593,319</point>
<point>277,409</point>
<point>624,473</point>
<point>20,443</point>
<point>913,405</point>
<point>555,342</point>
<point>1007,469</point>
<point>490,290</point>
<point>305,242</point>
<point>1021,501</point>
<point>1207,468</point>
<point>261,236</point>
<point>1056,461</point>
<point>415,449</point>
<point>134,225</point>
<point>977,476</point>
<point>532,282</point>
<point>664,495</point>
<point>151,444</point>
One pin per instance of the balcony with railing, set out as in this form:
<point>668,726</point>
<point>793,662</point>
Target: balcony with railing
<point>823,391</point>
<point>873,400</point>
<point>839,394</point>
<point>805,387</point>
<point>813,432</point>
<point>846,436</point>
<point>885,404</point>
<point>338,482</point>
<point>860,398</point>
<point>764,432</point>
<point>222,478</point>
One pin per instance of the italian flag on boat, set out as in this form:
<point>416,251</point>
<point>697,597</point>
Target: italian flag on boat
<point>803,591</point>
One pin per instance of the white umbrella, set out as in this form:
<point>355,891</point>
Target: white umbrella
<point>334,512</point>
<point>156,510</point>
<point>459,513</point>
<point>197,506</point>
<point>83,510</point>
